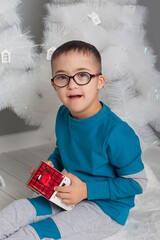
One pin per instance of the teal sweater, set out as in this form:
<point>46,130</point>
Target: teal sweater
<point>100,150</point>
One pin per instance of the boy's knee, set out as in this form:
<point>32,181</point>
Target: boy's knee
<point>41,205</point>
<point>46,229</point>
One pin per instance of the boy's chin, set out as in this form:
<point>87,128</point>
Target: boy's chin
<point>76,113</point>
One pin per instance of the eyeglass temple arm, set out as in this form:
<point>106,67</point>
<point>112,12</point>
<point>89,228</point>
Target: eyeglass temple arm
<point>96,75</point>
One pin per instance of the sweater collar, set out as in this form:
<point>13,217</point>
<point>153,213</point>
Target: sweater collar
<point>89,119</point>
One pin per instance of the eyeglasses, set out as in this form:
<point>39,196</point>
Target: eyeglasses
<point>81,78</point>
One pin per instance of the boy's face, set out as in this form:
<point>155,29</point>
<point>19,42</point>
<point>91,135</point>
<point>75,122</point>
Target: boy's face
<point>82,101</point>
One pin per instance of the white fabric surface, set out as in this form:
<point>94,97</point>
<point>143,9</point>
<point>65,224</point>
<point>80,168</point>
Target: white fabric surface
<point>144,220</point>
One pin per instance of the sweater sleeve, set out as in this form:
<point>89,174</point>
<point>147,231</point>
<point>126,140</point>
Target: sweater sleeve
<point>56,159</point>
<point>124,152</point>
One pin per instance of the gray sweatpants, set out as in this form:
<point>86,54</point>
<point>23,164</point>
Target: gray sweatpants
<point>86,221</point>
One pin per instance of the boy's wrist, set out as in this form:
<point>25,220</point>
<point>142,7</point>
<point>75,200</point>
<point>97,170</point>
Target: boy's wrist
<point>85,194</point>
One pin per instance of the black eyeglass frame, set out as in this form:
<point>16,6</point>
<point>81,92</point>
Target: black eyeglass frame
<point>69,77</point>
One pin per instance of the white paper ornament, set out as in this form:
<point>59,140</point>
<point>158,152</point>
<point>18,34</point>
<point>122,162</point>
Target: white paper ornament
<point>6,56</point>
<point>95,18</point>
<point>2,182</point>
<point>50,52</point>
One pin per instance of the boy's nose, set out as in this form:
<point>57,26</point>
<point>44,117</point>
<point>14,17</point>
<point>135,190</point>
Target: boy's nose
<point>72,84</point>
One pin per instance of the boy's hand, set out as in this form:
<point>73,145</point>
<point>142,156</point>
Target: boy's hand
<point>74,193</point>
<point>32,171</point>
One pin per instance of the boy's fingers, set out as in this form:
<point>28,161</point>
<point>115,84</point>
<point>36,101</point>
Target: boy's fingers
<point>49,163</point>
<point>32,171</point>
<point>62,189</point>
<point>62,195</point>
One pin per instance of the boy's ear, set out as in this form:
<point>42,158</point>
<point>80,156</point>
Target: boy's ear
<point>101,81</point>
<point>53,86</point>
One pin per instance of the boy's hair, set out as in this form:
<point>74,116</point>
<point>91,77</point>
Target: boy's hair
<point>79,46</point>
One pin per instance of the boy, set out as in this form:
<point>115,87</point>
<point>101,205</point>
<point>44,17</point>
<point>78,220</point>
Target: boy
<point>99,151</point>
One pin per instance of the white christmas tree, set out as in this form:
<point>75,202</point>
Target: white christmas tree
<point>116,28</point>
<point>17,61</point>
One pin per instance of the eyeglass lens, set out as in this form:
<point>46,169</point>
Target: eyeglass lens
<point>80,78</point>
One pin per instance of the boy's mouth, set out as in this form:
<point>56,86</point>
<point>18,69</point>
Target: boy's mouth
<point>75,96</point>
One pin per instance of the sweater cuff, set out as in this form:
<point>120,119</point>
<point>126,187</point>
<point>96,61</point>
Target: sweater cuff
<point>98,190</point>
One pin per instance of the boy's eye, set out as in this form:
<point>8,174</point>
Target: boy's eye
<point>61,77</point>
<point>83,76</point>
<point>80,75</point>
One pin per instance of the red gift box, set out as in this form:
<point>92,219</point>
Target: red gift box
<point>45,179</point>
